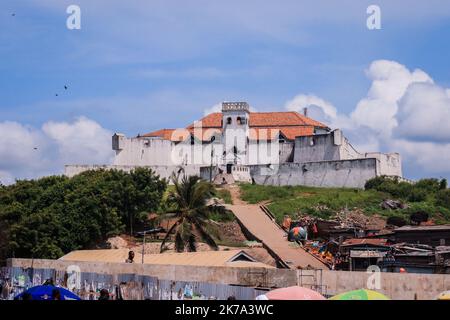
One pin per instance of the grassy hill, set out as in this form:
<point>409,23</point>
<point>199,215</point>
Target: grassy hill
<point>428,197</point>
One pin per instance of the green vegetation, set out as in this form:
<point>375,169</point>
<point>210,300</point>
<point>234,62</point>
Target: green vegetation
<point>320,202</point>
<point>225,195</point>
<point>49,217</point>
<point>189,200</point>
<point>427,195</point>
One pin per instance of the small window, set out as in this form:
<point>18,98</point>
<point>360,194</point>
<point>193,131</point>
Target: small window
<point>229,120</point>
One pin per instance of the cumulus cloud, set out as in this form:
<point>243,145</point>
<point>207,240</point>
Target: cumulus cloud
<point>27,152</point>
<point>318,108</point>
<point>424,114</point>
<point>81,140</point>
<point>389,83</point>
<point>215,108</point>
<point>404,111</point>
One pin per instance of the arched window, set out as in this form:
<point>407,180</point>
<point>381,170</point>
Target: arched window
<point>229,120</point>
<point>239,120</point>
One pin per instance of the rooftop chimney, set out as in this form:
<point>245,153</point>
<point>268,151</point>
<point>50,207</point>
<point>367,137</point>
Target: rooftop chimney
<point>305,111</point>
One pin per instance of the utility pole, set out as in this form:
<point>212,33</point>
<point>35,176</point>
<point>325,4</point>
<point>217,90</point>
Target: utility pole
<point>211,164</point>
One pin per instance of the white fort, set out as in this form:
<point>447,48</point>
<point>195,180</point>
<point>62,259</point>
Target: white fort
<point>272,148</point>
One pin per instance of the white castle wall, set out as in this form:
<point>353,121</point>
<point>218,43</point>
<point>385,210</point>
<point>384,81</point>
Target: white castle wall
<point>162,171</point>
<point>334,147</point>
<point>389,164</point>
<point>341,173</point>
<point>324,147</point>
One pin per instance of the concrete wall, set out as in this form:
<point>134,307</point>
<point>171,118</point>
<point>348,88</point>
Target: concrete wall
<point>140,151</point>
<point>162,171</point>
<point>324,147</point>
<point>397,286</point>
<point>389,164</point>
<point>345,173</point>
<point>316,148</point>
<point>287,152</point>
<point>226,275</point>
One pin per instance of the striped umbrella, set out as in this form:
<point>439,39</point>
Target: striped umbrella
<point>443,296</point>
<point>292,293</point>
<point>362,294</point>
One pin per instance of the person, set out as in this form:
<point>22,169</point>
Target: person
<point>130,257</point>
<point>56,295</point>
<point>104,295</point>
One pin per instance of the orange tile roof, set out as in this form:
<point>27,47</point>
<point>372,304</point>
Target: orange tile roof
<point>291,124</point>
<point>169,134</point>
<point>212,120</point>
<point>291,132</point>
<point>264,119</point>
<point>281,119</point>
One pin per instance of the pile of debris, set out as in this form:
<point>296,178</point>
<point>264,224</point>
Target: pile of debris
<point>393,205</point>
<point>357,219</point>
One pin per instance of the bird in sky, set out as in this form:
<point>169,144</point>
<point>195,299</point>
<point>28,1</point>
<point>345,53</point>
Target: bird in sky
<point>66,87</point>
<point>13,14</point>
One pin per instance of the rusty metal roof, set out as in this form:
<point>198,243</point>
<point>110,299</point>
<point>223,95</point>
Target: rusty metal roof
<point>226,258</point>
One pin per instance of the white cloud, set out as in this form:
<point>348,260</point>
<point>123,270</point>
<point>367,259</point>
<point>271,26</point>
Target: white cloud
<point>215,108</point>
<point>389,83</point>
<point>424,114</point>
<point>80,141</point>
<point>318,108</point>
<point>404,111</point>
<point>27,152</point>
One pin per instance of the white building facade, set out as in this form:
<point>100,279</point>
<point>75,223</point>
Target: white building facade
<point>261,147</point>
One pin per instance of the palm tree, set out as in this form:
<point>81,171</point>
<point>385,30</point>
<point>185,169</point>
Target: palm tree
<point>192,208</point>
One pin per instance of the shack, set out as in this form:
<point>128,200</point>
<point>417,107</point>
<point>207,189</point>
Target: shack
<point>359,254</point>
<point>430,235</point>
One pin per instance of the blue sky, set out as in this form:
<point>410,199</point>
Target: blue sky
<point>136,66</point>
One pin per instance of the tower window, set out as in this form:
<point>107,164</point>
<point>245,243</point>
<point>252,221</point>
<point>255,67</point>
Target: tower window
<point>229,120</point>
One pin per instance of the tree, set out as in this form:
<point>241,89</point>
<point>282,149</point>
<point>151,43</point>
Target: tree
<point>192,207</point>
<point>51,216</point>
<point>443,198</point>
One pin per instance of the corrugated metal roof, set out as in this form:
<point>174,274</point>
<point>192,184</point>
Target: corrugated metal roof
<point>424,228</point>
<point>356,241</point>
<point>226,258</point>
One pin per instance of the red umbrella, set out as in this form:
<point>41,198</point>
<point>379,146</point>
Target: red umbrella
<point>294,293</point>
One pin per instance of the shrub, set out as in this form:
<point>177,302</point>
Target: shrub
<point>443,198</point>
<point>417,195</point>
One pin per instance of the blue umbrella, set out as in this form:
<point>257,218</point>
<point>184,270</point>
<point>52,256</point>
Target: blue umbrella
<point>45,292</point>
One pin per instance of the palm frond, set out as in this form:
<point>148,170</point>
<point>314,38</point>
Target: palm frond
<point>167,236</point>
<point>205,236</point>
